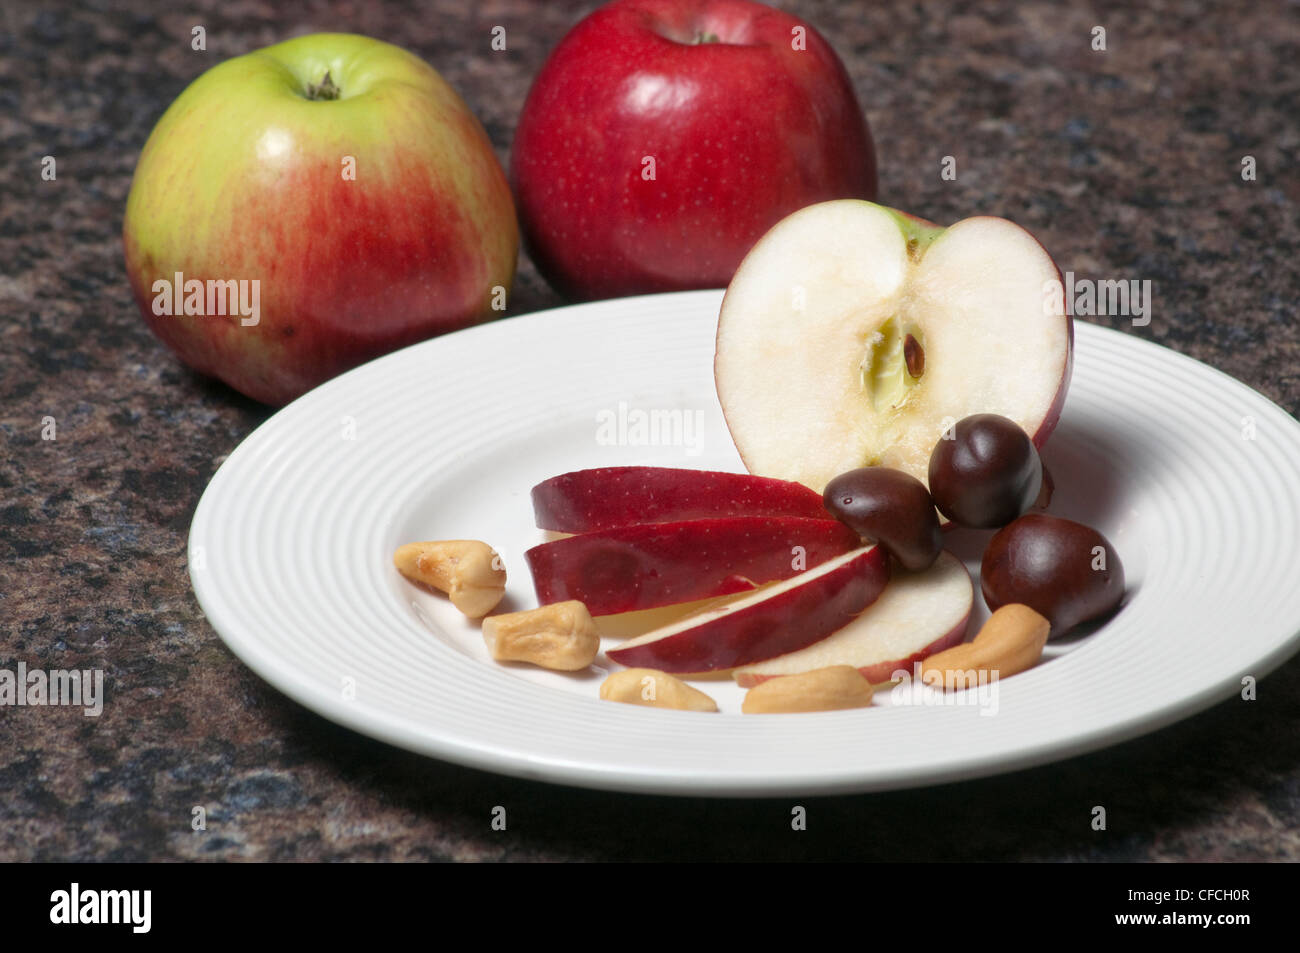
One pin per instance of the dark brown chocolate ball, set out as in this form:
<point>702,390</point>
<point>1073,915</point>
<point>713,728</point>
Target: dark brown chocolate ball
<point>987,474</point>
<point>891,508</point>
<point>1063,570</point>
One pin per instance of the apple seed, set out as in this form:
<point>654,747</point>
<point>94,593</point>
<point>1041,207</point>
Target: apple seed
<point>914,356</point>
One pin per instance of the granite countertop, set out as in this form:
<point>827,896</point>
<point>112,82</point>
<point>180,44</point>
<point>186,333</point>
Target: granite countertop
<point>1126,163</point>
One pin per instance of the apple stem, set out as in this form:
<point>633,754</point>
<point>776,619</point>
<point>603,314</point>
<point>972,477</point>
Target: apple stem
<point>705,38</point>
<point>325,89</point>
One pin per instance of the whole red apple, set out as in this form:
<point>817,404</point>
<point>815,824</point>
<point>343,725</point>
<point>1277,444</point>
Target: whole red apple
<point>662,138</point>
<point>306,207</point>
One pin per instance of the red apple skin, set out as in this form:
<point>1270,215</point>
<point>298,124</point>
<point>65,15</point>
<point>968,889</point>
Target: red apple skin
<point>660,564</point>
<point>883,671</point>
<point>319,318</point>
<point>349,269</point>
<point>742,133</point>
<point>587,501</point>
<point>785,622</point>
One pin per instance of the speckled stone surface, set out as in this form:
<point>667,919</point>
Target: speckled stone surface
<point>1125,163</point>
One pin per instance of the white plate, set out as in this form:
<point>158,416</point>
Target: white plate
<point>290,555</point>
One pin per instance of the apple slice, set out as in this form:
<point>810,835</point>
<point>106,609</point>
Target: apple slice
<point>782,617</point>
<point>628,625</point>
<point>919,613</point>
<point>658,564</point>
<point>854,335</point>
<point>587,501</point>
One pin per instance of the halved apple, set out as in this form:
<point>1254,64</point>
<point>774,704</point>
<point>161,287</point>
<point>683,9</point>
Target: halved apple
<point>586,501</point>
<point>780,618</point>
<point>918,614</point>
<point>854,335</point>
<point>657,564</point>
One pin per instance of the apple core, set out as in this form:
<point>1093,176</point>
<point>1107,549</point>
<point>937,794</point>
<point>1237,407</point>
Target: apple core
<point>893,364</point>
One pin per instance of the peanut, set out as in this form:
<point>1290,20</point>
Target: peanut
<point>648,686</point>
<point>1009,642</point>
<point>468,570</point>
<point>560,636</point>
<point>823,689</point>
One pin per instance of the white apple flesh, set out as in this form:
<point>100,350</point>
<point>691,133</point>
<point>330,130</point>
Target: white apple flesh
<point>814,368</point>
<point>918,614</point>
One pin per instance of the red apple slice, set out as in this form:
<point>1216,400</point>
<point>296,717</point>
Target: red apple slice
<point>853,335</point>
<point>919,613</point>
<point>658,564</point>
<point>587,501</point>
<point>781,618</point>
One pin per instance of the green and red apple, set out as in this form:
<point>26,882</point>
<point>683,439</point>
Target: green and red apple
<point>343,176</point>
